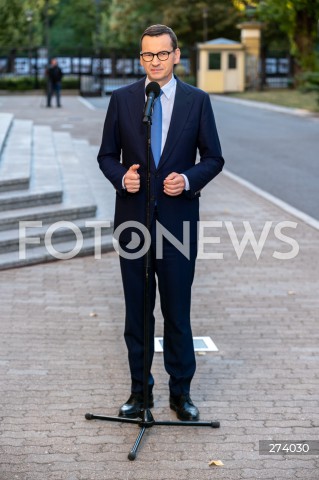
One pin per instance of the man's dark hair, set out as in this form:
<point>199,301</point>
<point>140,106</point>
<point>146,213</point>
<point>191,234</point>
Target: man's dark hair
<point>157,30</point>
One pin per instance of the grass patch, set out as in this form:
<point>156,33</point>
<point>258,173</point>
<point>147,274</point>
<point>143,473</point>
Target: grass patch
<point>283,97</point>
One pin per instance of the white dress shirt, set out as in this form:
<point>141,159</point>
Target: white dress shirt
<point>167,100</point>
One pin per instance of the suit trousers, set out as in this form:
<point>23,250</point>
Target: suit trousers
<point>54,88</point>
<point>174,273</point>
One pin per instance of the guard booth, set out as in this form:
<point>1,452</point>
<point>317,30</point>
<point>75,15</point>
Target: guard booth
<point>221,66</point>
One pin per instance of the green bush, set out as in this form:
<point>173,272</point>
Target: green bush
<point>16,83</point>
<point>189,79</point>
<point>21,84</point>
<point>70,83</point>
<point>310,83</point>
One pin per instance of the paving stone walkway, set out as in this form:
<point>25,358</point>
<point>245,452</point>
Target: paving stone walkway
<point>62,354</point>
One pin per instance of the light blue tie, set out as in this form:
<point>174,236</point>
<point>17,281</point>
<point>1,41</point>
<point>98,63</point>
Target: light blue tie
<point>156,136</point>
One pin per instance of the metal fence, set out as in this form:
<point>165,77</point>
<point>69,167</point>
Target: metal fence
<point>104,72</point>
<point>95,73</point>
<point>277,69</point>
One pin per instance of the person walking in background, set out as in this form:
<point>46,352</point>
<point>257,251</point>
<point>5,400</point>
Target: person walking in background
<point>186,124</point>
<point>54,77</point>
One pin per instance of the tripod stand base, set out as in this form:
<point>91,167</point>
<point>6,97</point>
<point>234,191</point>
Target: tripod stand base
<point>147,422</point>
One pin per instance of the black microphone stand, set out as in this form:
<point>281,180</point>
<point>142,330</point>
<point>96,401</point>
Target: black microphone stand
<point>147,420</point>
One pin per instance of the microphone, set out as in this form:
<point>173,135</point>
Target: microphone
<point>152,91</point>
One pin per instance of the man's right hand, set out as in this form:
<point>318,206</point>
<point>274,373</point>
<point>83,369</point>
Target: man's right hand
<point>132,179</point>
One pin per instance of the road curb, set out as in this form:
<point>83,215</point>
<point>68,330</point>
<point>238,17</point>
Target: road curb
<point>312,222</point>
<point>267,106</point>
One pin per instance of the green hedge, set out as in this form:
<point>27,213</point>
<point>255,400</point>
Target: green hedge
<point>16,83</point>
<point>310,83</point>
<point>21,84</point>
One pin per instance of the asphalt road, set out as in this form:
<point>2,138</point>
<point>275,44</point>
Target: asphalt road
<point>277,152</point>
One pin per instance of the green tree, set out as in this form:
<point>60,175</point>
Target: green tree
<point>128,19</point>
<point>76,24</point>
<point>298,19</point>
<point>53,23</point>
<point>195,21</point>
<point>20,22</point>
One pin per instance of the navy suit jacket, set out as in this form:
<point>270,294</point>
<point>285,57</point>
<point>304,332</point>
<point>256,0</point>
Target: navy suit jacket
<point>124,143</point>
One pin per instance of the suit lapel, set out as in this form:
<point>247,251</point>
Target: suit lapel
<point>181,110</point>
<point>135,105</point>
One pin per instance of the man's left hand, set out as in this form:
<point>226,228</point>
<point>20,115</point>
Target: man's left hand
<point>174,184</point>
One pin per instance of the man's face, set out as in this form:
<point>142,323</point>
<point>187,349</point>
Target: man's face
<point>159,71</point>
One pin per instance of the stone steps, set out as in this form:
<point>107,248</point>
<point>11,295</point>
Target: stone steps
<point>30,147</point>
<point>17,200</point>
<point>42,254</point>
<point>48,177</point>
<point>9,220</point>
<point>5,125</point>
<point>16,154</point>
<point>63,231</point>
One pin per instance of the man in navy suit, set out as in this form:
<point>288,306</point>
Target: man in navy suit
<point>176,180</point>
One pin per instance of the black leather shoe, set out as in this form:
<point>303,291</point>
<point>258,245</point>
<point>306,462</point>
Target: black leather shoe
<point>184,407</point>
<point>132,408</point>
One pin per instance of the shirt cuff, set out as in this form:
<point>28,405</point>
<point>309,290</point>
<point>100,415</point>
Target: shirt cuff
<point>123,184</point>
<point>186,182</point>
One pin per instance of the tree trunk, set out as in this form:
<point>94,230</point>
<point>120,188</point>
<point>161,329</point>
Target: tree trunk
<point>304,37</point>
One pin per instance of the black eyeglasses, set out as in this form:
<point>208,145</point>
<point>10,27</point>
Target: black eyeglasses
<point>148,56</point>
